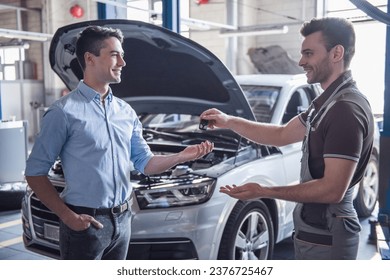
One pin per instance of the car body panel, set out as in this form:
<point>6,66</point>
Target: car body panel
<point>204,224</point>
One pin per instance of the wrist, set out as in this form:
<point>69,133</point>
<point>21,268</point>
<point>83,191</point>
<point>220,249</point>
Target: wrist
<point>232,122</point>
<point>66,215</point>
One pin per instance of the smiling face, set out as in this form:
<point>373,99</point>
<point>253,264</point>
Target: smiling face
<point>315,59</point>
<point>105,68</point>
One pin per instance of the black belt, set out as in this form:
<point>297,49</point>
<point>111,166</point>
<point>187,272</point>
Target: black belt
<point>315,238</point>
<point>102,211</point>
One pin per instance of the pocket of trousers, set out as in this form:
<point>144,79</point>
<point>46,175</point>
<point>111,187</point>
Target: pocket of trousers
<point>351,224</point>
<point>305,250</point>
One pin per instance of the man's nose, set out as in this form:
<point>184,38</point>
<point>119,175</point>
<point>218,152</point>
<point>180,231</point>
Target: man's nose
<point>301,61</point>
<point>122,61</point>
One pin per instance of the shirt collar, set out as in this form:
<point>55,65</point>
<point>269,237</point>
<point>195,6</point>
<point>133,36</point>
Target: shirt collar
<point>320,100</point>
<point>90,94</point>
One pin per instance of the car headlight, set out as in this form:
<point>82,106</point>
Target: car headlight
<point>175,194</point>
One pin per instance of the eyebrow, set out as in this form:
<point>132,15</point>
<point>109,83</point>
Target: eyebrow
<point>117,52</point>
<point>306,50</point>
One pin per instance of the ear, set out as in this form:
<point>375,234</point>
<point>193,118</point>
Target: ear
<point>88,58</point>
<point>338,53</point>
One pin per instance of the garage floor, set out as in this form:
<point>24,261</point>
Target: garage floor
<point>11,244</point>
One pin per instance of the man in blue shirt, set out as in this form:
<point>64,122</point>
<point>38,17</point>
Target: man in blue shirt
<point>98,138</point>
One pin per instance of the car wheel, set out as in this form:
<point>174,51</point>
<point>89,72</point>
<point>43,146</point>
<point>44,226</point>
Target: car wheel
<point>248,234</point>
<point>367,195</point>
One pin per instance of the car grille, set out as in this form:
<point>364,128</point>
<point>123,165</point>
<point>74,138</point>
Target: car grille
<point>42,216</point>
<point>162,249</point>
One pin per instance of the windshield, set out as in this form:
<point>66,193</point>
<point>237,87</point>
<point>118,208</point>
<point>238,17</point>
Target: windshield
<point>262,100</point>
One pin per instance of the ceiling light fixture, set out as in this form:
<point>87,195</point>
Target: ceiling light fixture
<point>24,35</point>
<point>17,44</point>
<point>254,31</point>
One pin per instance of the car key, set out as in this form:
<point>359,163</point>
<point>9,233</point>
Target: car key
<point>203,124</point>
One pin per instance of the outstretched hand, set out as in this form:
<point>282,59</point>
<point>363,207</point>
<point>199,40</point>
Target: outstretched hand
<point>194,152</point>
<point>215,117</point>
<point>245,192</point>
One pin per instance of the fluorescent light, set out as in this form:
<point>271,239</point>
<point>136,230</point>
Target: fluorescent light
<point>254,31</point>
<point>24,35</point>
<point>197,23</point>
<point>206,25</point>
<point>19,44</point>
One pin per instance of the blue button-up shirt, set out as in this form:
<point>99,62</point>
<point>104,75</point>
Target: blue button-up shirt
<point>98,146</point>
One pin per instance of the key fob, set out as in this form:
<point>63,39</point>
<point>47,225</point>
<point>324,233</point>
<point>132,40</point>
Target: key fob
<point>203,124</point>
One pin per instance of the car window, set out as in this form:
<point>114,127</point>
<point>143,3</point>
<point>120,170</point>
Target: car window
<point>299,102</point>
<point>262,100</point>
<point>292,108</point>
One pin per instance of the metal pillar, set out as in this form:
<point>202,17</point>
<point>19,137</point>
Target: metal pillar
<point>381,227</point>
<point>384,161</point>
<point>171,15</point>
<point>384,170</point>
<point>232,44</point>
<point>1,113</point>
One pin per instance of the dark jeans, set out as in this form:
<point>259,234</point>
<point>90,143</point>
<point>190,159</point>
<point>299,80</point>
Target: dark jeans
<point>109,243</point>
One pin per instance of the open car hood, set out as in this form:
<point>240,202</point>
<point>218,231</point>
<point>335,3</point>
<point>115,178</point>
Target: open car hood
<point>165,72</point>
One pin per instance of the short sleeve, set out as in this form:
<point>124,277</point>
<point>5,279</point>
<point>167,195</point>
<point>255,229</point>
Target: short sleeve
<point>344,131</point>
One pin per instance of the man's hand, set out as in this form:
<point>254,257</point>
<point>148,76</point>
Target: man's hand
<point>197,151</point>
<point>216,118</point>
<point>245,192</point>
<point>80,222</point>
<point>160,163</point>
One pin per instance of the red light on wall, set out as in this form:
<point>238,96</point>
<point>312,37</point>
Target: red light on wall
<point>76,11</point>
<point>200,2</point>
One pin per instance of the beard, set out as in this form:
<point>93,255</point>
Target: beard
<point>320,73</point>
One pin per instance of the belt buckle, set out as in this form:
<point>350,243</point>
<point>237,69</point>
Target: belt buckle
<point>120,208</point>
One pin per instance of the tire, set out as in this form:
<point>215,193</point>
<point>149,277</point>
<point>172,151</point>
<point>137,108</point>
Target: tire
<point>248,234</point>
<point>367,195</point>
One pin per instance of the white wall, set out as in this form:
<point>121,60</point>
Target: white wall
<point>19,101</point>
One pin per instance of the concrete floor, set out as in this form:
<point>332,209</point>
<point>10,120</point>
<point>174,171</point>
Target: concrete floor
<point>11,244</point>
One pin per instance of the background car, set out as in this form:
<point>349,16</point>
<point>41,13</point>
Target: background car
<point>179,214</point>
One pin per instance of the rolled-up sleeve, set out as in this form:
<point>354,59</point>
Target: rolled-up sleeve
<point>48,143</point>
<point>140,150</point>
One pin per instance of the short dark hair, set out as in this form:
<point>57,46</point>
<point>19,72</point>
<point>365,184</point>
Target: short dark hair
<point>336,31</point>
<point>91,39</point>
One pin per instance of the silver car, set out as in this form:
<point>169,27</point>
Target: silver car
<point>180,214</point>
